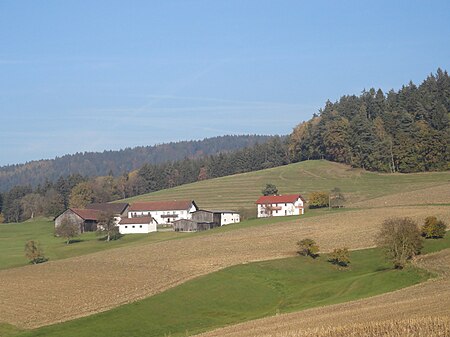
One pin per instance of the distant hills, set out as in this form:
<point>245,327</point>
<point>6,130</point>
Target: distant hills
<point>93,164</point>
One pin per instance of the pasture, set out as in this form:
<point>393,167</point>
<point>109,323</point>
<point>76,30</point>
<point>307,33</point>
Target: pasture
<point>246,292</point>
<point>104,280</point>
<point>420,304</point>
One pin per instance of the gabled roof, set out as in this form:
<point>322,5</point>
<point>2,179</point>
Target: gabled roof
<point>86,214</point>
<point>279,199</point>
<point>114,208</point>
<point>174,205</point>
<point>137,220</point>
<point>216,211</point>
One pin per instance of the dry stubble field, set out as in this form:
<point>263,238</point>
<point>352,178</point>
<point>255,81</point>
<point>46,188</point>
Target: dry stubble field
<point>421,310</point>
<point>56,291</point>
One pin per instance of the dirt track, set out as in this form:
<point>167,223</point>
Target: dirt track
<point>56,291</point>
<point>431,298</point>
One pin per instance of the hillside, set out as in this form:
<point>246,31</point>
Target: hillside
<point>239,192</point>
<point>139,269</point>
<point>102,163</point>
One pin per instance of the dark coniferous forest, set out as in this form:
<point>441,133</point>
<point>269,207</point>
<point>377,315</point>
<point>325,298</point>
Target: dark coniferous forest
<point>401,131</point>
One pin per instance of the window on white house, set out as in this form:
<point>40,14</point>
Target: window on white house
<point>140,226</point>
<point>133,226</point>
<point>126,226</point>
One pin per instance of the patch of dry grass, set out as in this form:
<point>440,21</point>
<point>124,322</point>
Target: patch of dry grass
<point>61,290</point>
<point>417,327</point>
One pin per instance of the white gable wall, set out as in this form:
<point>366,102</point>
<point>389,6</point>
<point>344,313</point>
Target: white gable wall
<point>227,218</point>
<point>137,228</point>
<point>282,209</point>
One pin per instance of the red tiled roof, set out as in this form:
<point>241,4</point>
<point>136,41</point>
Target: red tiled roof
<point>161,205</point>
<point>87,214</point>
<point>137,220</point>
<point>279,199</point>
<point>115,208</point>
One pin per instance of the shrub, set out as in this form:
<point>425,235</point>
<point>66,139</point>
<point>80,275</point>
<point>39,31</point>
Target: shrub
<point>34,253</point>
<point>270,189</point>
<point>308,247</point>
<point>340,257</point>
<point>401,240</point>
<point>433,228</point>
<point>318,199</point>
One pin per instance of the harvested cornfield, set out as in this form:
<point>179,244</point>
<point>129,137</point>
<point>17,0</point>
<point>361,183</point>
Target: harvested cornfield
<point>404,312</point>
<point>418,327</point>
<point>61,290</point>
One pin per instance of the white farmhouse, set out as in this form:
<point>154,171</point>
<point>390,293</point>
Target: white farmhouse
<point>163,212</point>
<point>139,225</point>
<point>280,205</point>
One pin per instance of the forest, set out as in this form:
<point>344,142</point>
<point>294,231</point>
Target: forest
<point>401,131</point>
<point>92,164</point>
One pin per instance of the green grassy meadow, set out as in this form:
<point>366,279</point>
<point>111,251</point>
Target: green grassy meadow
<point>14,236</point>
<point>246,292</point>
<point>239,192</point>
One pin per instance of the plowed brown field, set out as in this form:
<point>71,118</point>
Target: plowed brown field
<point>56,291</point>
<point>431,298</point>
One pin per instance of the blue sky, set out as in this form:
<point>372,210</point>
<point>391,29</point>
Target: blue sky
<point>94,75</point>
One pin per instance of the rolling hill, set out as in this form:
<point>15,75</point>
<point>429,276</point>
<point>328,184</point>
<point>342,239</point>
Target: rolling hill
<point>361,188</point>
<point>137,270</point>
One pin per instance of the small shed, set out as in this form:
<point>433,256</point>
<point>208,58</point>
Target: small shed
<point>203,215</point>
<point>186,225</point>
<point>139,225</point>
<point>218,217</point>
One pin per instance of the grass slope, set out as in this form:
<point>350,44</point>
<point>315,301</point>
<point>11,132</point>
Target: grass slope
<point>240,191</point>
<point>246,292</point>
<point>14,236</point>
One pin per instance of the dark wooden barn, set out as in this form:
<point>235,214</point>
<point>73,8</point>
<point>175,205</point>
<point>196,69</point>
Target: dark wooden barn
<point>187,225</point>
<point>87,219</point>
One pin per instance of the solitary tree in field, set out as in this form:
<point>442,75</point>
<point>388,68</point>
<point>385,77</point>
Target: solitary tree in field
<point>68,230</point>
<point>401,240</point>
<point>270,189</point>
<point>34,253</point>
<point>107,225</point>
<point>433,228</point>
<point>308,247</point>
<point>340,257</point>
<point>336,198</point>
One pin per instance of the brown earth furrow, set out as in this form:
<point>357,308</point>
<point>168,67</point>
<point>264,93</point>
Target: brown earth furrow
<point>56,291</point>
